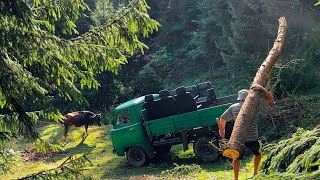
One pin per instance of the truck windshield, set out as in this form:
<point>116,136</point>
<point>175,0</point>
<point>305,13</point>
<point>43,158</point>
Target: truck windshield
<point>123,117</point>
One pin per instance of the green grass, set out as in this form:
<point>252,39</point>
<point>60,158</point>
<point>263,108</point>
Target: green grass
<point>109,166</point>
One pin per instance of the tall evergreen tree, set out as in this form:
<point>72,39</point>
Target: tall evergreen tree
<point>202,47</point>
<point>36,65</point>
<point>248,36</point>
<point>223,18</point>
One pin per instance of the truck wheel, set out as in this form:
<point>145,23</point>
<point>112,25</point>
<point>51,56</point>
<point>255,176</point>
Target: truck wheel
<point>205,150</point>
<point>136,156</point>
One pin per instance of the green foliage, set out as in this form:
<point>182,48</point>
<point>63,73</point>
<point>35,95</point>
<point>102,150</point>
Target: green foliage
<point>288,176</point>
<point>245,23</point>
<point>104,10</point>
<point>300,153</point>
<point>111,93</point>
<point>204,35</point>
<point>162,63</point>
<point>71,168</point>
<point>37,66</point>
<point>287,115</point>
<point>44,146</point>
<point>207,36</point>
<point>147,81</point>
<point>7,156</point>
<point>305,77</point>
<point>8,159</point>
<point>107,116</point>
<point>179,170</point>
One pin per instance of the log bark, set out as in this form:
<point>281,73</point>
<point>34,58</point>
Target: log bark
<point>245,116</point>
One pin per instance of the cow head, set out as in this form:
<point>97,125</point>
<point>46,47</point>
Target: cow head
<point>97,119</point>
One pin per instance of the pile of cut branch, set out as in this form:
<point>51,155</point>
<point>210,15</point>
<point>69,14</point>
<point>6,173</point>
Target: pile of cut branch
<point>298,154</point>
<point>287,115</point>
<point>180,170</point>
<point>32,155</point>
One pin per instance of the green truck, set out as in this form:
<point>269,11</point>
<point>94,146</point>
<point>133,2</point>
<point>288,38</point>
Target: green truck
<point>148,126</point>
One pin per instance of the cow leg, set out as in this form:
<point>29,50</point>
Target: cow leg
<point>66,128</point>
<point>86,127</point>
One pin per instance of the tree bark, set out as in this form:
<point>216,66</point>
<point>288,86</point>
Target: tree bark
<point>245,116</point>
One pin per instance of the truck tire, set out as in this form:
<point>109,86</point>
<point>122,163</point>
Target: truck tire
<point>205,150</point>
<point>136,156</point>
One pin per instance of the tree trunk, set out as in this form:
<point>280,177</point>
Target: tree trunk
<point>245,116</point>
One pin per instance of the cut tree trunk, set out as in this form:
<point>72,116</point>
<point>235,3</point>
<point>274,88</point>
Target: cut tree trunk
<point>245,116</point>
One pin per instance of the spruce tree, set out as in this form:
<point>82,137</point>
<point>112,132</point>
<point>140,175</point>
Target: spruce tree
<point>223,18</point>
<point>37,66</point>
<point>202,46</point>
<point>248,36</point>
<point>104,10</point>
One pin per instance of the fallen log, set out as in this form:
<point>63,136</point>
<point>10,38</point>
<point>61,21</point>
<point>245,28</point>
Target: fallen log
<point>245,116</point>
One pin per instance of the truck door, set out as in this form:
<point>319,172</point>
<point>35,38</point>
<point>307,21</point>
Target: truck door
<point>126,132</point>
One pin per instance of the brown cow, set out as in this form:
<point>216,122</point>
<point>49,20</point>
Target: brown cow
<point>80,118</point>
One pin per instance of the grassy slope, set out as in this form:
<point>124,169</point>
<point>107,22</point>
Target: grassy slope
<point>109,166</point>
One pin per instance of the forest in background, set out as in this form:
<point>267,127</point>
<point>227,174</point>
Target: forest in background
<point>223,42</point>
<point>219,41</point>
<point>207,40</point>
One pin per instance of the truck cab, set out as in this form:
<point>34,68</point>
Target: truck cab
<point>128,128</point>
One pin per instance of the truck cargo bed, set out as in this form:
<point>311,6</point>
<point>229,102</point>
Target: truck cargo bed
<point>190,120</point>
